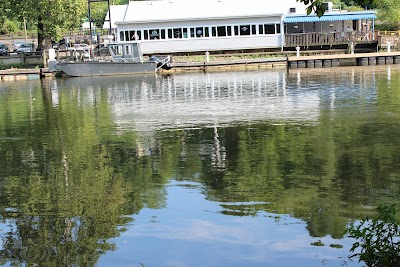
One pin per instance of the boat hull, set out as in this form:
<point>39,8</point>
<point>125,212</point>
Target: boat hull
<point>96,68</point>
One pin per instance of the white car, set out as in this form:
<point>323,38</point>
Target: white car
<point>25,48</point>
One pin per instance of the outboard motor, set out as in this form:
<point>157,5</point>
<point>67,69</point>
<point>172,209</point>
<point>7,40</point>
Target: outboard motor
<point>166,65</point>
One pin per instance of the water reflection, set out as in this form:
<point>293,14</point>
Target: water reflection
<point>256,163</point>
<point>204,100</point>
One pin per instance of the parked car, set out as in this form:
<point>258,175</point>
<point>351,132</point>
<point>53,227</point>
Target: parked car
<point>3,49</point>
<point>16,44</point>
<point>25,48</point>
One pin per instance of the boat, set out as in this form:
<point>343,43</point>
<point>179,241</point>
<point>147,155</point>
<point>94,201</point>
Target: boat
<point>122,58</point>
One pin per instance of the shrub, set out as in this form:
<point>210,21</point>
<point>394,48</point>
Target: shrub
<point>378,238</point>
<point>9,27</point>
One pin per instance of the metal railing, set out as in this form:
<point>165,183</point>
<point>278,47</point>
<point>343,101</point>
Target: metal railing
<point>330,39</point>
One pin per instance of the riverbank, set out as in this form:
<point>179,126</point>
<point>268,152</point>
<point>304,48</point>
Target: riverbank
<point>243,62</point>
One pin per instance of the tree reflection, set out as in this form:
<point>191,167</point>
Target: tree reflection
<point>65,192</point>
<point>70,180</point>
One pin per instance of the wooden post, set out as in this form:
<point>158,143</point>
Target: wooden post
<point>44,58</point>
<point>22,58</point>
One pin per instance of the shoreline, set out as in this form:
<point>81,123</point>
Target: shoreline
<point>289,62</point>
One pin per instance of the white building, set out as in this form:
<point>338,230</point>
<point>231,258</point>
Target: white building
<point>171,26</point>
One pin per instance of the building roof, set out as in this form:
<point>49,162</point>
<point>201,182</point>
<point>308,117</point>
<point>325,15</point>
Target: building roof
<point>188,10</point>
<point>178,10</point>
<point>117,14</point>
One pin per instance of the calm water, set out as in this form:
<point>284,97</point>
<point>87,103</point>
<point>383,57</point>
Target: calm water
<point>219,169</point>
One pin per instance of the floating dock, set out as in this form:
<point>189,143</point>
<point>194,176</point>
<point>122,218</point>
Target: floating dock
<point>228,65</point>
<point>361,59</point>
<point>24,74</point>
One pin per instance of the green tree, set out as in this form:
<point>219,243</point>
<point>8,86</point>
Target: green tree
<point>378,238</point>
<point>98,10</point>
<point>51,17</point>
<point>389,13</point>
<point>9,26</point>
<point>318,5</point>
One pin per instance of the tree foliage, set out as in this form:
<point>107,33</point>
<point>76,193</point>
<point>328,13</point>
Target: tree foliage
<point>389,12</point>
<point>378,238</point>
<point>52,17</point>
<point>317,6</point>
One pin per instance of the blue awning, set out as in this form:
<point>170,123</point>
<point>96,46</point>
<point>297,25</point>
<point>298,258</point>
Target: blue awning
<point>313,18</point>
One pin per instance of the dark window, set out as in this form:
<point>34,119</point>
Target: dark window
<point>126,36</point>
<point>185,33</point>
<point>229,30</point>
<point>278,28</point>
<point>221,31</point>
<point>177,33</point>
<point>154,34</point>
<point>170,34</point>
<point>244,29</point>
<point>132,35</point>
<point>200,32</point>
<point>253,29</point>
<point>122,36</point>
<point>192,32</point>
<point>139,35</point>
<point>214,31</point>
<point>260,29</point>
<point>236,30</point>
<point>206,32</point>
<point>146,35</point>
<point>269,28</point>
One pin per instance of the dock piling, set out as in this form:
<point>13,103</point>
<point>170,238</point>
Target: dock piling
<point>310,64</point>
<point>381,60</point>
<point>389,60</point>
<point>318,63</point>
<point>363,61</point>
<point>301,64</point>
<point>372,61</point>
<point>327,63</point>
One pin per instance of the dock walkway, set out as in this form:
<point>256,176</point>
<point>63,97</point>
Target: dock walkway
<point>359,59</point>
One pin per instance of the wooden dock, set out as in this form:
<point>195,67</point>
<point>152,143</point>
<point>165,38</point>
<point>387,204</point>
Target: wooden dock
<point>359,59</point>
<point>226,65</point>
<point>24,74</point>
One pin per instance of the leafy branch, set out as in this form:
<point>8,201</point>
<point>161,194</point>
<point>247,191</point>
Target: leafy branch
<point>378,238</point>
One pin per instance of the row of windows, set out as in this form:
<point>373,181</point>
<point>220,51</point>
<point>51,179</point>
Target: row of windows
<point>200,32</point>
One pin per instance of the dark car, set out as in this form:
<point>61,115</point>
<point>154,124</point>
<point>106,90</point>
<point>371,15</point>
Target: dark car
<point>3,49</point>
